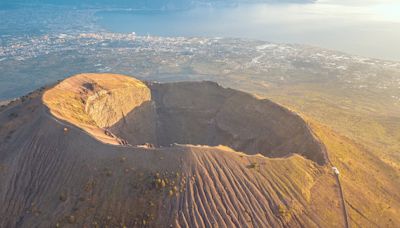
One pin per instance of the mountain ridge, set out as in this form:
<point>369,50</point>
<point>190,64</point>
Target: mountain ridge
<point>56,174</point>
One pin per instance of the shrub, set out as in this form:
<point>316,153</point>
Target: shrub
<point>252,165</point>
<point>71,219</point>
<point>63,197</point>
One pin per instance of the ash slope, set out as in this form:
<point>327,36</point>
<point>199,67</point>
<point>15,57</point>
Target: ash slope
<point>56,172</point>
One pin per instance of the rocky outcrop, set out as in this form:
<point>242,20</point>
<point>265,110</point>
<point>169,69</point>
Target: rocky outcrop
<point>94,102</point>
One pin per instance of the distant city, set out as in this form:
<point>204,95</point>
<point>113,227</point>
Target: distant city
<point>68,41</point>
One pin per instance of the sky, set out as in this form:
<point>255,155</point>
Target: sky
<point>387,10</point>
<point>369,28</point>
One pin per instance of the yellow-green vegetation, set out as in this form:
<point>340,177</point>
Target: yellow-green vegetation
<point>171,182</point>
<point>370,185</point>
<point>361,129</point>
<point>283,212</point>
<point>361,132</point>
<point>368,117</point>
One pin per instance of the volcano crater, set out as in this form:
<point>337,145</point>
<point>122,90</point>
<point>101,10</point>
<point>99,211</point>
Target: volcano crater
<point>118,107</point>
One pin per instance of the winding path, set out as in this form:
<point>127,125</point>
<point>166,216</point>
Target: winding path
<point>345,214</point>
<point>342,199</point>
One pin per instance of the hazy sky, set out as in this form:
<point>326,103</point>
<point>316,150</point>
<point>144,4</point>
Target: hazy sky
<point>370,28</point>
<point>370,10</point>
<point>364,27</point>
<point>358,2</point>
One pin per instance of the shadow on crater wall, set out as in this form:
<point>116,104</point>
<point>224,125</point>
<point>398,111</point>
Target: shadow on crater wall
<point>203,113</point>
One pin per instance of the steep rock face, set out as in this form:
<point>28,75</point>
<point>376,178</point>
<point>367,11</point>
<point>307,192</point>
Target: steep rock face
<point>96,101</point>
<point>203,113</point>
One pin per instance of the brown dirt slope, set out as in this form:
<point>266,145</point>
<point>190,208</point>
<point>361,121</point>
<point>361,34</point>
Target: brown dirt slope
<point>53,173</point>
